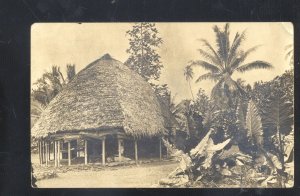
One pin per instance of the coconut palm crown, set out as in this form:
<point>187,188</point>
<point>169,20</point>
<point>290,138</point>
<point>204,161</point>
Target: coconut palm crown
<point>224,60</point>
<point>189,74</point>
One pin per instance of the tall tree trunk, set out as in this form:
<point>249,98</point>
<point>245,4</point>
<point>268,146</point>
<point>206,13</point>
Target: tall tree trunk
<point>191,90</point>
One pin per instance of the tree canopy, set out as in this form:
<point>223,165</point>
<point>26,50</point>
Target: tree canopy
<point>143,44</point>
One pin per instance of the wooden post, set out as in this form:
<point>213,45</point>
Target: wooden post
<point>46,153</point>
<point>120,149</point>
<point>160,152</point>
<point>77,151</point>
<point>85,152</point>
<point>58,153</point>
<point>53,150</point>
<point>39,149</point>
<point>55,153</point>
<point>49,150</point>
<point>43,155</point>
<point>42,152</point>
<point>103,151</point>
<point>136,151</point>
<point>69,153</point>
<point>167,149</point>
<point>44,146</point>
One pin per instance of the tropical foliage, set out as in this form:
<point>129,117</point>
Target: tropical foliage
<point>224,60</point>
<point>50,84</point>
<point>189,74</point>
<point>70,71</point>
<point>253,125</point>
<point>245,134</point>
<point>143,57</point>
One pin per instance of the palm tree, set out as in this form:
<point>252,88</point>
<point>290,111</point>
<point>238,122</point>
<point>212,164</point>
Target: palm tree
<point>189,74</point>
<point>48,86</point>
<point>70,72</point>
<point>183,114</point>
<point>223,61</point>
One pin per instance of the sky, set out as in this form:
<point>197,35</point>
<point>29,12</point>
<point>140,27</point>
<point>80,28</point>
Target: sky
<point>80,44</point>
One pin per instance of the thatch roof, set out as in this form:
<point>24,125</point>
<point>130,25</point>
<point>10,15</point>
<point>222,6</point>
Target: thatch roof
<point>106,94</point>
<point>169,118</point>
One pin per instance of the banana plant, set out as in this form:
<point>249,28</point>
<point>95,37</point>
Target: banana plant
<point>204,151</point>
<point>279,115</point>
<point>253,125</point>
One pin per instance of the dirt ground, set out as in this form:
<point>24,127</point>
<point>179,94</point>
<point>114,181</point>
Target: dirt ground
<point>138,176</point>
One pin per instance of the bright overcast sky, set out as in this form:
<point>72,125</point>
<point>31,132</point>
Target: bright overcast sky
<point>81,44</point>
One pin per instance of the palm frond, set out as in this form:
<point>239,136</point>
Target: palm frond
<point>227,41</point>
<point>279,113</point>
<point>208,76</point>
<point>210,57</point>
<point>254,125</point>
<point>239,38</point>
<point>208,66</point>
<point>250,50</point>
<point>222,40</point>
<point>241,57</point>
<point>254,65</point>
<point>188,72</point>
<point>212,50</point>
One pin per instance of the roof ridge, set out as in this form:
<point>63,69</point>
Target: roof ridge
<point>106,57</point>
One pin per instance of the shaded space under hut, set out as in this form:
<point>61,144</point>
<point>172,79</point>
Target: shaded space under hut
<point>106,113</point>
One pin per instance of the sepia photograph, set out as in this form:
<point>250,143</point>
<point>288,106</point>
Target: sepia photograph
<point>162,105</point>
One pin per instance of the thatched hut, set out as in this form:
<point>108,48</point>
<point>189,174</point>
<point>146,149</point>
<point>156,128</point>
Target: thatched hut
<point>109,109</point>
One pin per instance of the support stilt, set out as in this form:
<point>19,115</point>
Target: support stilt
<point>46,153</point>
<point>40,153</point>
<point>55,153</point>
<point>77,149</point>
<point>160,152</point>
<point>103,151</point>
<point>58,153</point>
<point>136,151</point>
<point>85,152</point>
<point>69,153</point>
<point>120,149</point>
<point>168,149</point>
<point>49,151</point>
<point>53,143</point>
<point>43,152</point>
